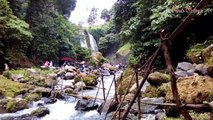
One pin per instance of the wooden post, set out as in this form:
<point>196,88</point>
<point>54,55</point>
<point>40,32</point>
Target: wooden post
<point>138,100</point>
<point>173,80</point>
<point>102,80</point>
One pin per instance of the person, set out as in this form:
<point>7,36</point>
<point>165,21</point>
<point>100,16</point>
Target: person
<point>82,68</point>
<point>50,64</point>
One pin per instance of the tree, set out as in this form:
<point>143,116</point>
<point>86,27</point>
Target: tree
<point>105,14</point>
<point>92,16</point>
<point>15,35</point>
<point>65,7</point>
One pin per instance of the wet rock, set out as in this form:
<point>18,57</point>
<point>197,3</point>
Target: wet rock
<point>3,105</point>
<point>40,112</point>
<point>68,90</point>
<point>22,117</point>
<point>184,66</point>
<point>13,105</point>
<point>41,90</point>
<point>50,100</point>
<point>40,104</point>
<point>85,105</point>
<point>158,78</point>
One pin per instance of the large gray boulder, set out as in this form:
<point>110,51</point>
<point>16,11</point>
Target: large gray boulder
<point>184,66</point>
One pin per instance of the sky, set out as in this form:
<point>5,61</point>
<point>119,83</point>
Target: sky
<point>83,8</point>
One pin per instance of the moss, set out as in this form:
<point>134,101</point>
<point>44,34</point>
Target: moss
<point>194,90</point>
<point>194,115</point>
<point>32,97</point>
<point>195,52</point>
<point>124,50</point>
<point>10,88</point>
<point>152,91</point>
<point>89,80</point>
<point>10,105</point>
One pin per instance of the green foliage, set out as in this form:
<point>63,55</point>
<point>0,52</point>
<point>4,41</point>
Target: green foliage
<point>107,42</point>
<point>32,97</point>
<point>14,33</point>
<point>65,7</point>
<point>82,53</point>
<point>10,88</point>
<point>10,105</point>
<point>105,14</point>
<point>54,36</point>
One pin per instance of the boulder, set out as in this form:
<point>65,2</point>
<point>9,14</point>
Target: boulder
<point>70,68</point>
<point>40,112</point>
<point>49,82</point>
<point>184,66</point>
<point>207,54</point>
<point>49,100</point>
<point>52,76</point>
<point>201,69</point>
<point>69,75</point>
<point>148,108</point>
<point>158,78</point>
<point>41,90</point>
<point>14,105</point>
<point>68,90</point>
<point>17,78</point>
<point>32,71</point>
<point>80,84</point>
<point>193,89</point>
<point>89,80</point>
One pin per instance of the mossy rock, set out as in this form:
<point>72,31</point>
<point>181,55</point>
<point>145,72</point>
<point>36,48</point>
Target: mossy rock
<point>125,83</point>
<point>9,88</point>
<point>152,91</point>
<point>13,105</point>
<point>207,55</point>
<point>98,58</point>
<point>194,89</point>
<point>194,54</point>
<point>32,97</point>
<point>40,112</point>
<point>157,78</point>
<point>89,80</point>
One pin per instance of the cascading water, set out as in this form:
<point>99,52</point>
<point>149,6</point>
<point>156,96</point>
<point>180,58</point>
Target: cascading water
<point>93,44</point>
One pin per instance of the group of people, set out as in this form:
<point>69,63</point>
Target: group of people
<point>47,64</point>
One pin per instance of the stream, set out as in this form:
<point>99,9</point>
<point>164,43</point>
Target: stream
<point>65,109</point>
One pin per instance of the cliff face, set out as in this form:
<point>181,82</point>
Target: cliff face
<point>121,56</point>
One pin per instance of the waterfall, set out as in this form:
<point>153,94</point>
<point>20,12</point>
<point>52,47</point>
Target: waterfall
<point>93,44</point>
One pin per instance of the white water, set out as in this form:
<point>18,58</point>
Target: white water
<point>65,109</point>
<point>93,44</point>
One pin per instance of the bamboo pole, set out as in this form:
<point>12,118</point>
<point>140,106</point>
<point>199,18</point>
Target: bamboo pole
<point>142,82</point>
<point>138,99</point>
<point>102,80</point>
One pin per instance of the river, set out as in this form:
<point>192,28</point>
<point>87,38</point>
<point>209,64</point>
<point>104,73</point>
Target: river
<point>65,109</point>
